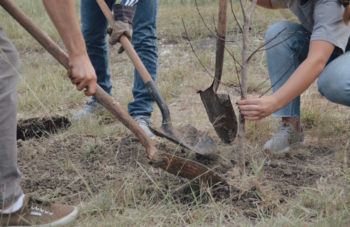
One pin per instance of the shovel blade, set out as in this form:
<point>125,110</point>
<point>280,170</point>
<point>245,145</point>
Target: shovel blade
<point>221,114</point>
<point>200,144</point>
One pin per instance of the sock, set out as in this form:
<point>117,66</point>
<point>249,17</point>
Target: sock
<point>16,206</point>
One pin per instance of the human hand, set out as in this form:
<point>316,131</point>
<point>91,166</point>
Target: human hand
<point>120,28</point>
<point>123,16</point>
<point>82,74</point>
<point>255,109</point>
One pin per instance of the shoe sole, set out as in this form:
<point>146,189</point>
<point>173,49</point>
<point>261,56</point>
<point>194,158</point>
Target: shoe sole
<point>61,222</point>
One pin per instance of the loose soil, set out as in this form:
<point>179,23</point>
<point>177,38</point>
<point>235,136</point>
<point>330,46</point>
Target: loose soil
<point>39,127</point>
<point>76,168</point>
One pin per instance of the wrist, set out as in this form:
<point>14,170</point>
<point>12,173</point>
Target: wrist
<point>276,101</point>
<point>124,13</point>
<point>78,52</point>
<point>77,56</point>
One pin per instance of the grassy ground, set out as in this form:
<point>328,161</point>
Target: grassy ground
<point>99,166</point>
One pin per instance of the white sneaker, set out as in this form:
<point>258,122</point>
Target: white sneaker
<point>144,123</point>
<point>90,108</point>
<point>285,138</point>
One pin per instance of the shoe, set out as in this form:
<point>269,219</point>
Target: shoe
<point>283,140</point>
<point>90,108</point>
<point>41,214</point>
<point>144,123</point>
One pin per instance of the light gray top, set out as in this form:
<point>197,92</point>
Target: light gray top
<point>323,18</point>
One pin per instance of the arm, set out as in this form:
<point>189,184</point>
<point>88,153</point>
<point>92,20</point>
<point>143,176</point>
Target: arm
<point>82,73</point>
<point>302,78</point>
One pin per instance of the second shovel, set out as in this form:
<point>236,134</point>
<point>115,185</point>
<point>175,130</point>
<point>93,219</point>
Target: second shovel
<point>218,106</point>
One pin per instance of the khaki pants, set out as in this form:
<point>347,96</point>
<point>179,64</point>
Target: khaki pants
<point>9,175</point>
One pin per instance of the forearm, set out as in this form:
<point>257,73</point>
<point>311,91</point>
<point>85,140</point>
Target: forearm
<point>63,15</point>
<point>301,79</point>
<point>306,73</point>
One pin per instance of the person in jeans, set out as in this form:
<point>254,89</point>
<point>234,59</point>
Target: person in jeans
<point>144,39</point>
<point>297,55</point>
<point>17,209</point>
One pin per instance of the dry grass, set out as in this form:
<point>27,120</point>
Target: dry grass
<point>139,195</point>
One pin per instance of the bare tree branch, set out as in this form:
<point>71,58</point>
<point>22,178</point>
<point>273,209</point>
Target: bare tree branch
<point>265,44</point>
<point>207,26</point>
<point>198,59</point>
<point>194,52</point>
<point>235,17</point>
<point>247,15</point>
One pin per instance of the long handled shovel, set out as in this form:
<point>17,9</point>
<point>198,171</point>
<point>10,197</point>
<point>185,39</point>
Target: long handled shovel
<point>218,106</point>
<point>169,162</point>
<point>205,145</point>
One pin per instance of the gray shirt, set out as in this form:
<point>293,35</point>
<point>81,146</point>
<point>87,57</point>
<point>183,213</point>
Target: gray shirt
<point>322,18</point>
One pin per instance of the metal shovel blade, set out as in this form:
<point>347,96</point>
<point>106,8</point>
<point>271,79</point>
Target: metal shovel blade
<point>200,144</point>
<point>221,114</point>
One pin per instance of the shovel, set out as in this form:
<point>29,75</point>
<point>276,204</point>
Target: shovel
<point>206,145</point>
<point>169,162</point>
<point>218,106</point>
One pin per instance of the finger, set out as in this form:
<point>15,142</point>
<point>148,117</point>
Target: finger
<point>83,84</point>
<point>75,81</point>
<point>87,92</point>
<point>251,113</point>
<point>249,108</point>
<point>91,88</point>
<point>248,102</point>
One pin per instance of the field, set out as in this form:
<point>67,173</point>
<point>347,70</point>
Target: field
<point>98,165</point>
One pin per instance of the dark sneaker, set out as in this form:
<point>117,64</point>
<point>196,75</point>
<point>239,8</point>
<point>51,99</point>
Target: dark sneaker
<point>285,138</point>
<point>91,107</point>
<point>41,214</point>
<point>144,123</point>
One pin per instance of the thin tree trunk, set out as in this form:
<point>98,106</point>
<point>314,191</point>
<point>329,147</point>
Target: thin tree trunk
<point>247,16</point>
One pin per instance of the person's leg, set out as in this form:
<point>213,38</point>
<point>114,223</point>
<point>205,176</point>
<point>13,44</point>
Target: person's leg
<point>287,47</point>
<point>145,43</point>
<point>285,53</point>
<point>15,208</point>
<point>94,28</point>
<point>334,81</point>
<point>10,189</point>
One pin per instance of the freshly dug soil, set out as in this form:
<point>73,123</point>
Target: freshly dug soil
<point>39,127</point>
<point>77,168</point>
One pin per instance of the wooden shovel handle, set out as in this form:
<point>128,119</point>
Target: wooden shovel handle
<point>106,100</point>
<point>124,41</point>
<point>220,43</point>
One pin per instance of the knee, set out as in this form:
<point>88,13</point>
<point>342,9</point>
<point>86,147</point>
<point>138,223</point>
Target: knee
<point>334,84</point>
<point>279,31</point>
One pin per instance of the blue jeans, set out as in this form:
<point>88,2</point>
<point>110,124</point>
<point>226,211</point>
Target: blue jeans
<point>94,27</point>
<point>287,47</point>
